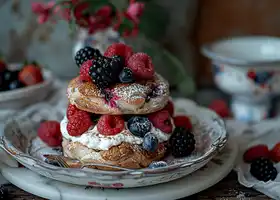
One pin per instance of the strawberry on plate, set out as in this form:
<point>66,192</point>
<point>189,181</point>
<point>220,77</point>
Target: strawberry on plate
<point>254,152</point>
<point>30,74</point>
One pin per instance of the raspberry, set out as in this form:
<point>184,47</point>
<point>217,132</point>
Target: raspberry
<point>119,49</point>
<point>170,108</point>
<point>71,111</point>
<point>142,66</point>
<point>256,152</point>
<point>275,153</point>
<point>182,121</point>
<point>161,120</point>
<point>49,132</point>
<point>84,71</point>
<point>110,124</point>
<point>79,123</point>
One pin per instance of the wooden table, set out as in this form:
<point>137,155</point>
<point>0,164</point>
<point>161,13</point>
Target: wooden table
<point>227,189</point>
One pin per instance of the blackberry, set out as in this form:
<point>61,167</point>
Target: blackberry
<point>85,54</point>
<point>139,126</point>
<point>263,169</point>
<point>105,71</point>
<point>3,193</point>
<point>182,142</point>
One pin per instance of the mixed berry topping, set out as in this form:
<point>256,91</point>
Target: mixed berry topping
<point>110,124</point>
<point>49,132</point>
<point>139,126</point>
<point>85,54</point>
<point>150,142</point>
<point>119,49</point>
<point>263,169</point>
<point>182,142</point>
<point>105,71</point>
<point>79,123</point>
<point>162,121</point>
<point>142,66</point>
<point>126,76</point>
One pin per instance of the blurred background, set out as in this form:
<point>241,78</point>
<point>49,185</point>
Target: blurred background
<point>179,27</point>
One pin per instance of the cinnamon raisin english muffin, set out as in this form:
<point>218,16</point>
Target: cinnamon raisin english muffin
<point>123,98</point>
<point>131,142</point>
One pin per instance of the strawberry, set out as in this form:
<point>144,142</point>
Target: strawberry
<point>255,152</point>
<point>220,107</point>
<point>275,153</point>
<point>30,74</point>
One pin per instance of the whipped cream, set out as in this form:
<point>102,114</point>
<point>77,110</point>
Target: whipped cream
<point>93,139</point>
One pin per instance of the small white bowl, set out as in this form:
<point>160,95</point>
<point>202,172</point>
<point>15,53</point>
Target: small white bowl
<point>19,98</point>
<point>249,69</point>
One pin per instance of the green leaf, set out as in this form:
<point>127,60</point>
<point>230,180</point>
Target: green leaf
<point>154,20</point>
<point>168,65</point>
<point>126,25</point>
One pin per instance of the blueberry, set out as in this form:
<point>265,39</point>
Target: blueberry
<point>10,75</point>
<point>150,142</point>
<point>15,85</point>
<point>126,76</point>
<point>157,164</point>
<point>139,126</point>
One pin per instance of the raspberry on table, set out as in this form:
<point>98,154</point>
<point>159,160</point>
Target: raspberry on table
<point>161,120</point>
<point>263,169</point>
<point>49,132</point>
<point>182,121</point>
<point>110,124</point>
<point>254,152</point>
<point>84,70</point>
<point>71,111</point>
<point>142,66</point>
<point>79,123</point>
<point>182,142</point>
<point>139,125</point>
<point>85,54</point>
<point>170,108</point>
<point>119,49</point>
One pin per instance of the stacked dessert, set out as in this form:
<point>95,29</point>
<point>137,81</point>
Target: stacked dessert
<point>119,111</point>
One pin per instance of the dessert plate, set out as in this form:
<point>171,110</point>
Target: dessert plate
<point>210,174</point>
<point>20,141</point>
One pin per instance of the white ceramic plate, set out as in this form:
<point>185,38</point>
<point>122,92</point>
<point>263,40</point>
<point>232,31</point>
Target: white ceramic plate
<point>208,128</point>
<point>203,178</point>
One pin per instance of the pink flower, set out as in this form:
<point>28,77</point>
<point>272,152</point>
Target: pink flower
<point>135,10</point>
<point>43,10</point>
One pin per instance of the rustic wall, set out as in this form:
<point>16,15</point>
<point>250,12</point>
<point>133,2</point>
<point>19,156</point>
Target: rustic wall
<point>219,18</point>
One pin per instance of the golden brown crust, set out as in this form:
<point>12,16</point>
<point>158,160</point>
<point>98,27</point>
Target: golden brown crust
<point>124,155</point>
<point>127,98</point>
